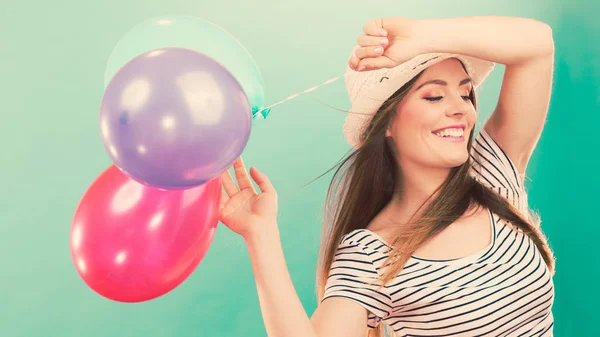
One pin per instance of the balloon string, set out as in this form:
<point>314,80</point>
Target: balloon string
<point>265,111</point>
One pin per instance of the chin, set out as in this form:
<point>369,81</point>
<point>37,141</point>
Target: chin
<point>456,160</point>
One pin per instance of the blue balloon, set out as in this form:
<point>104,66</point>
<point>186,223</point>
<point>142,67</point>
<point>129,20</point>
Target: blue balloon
<point>195,34</point>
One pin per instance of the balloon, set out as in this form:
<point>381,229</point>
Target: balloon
<point>196,34</point>
<point>132,243</point>
<point>174,118</point>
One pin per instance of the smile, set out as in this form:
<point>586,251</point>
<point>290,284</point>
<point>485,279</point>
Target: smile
<point>452,134</point>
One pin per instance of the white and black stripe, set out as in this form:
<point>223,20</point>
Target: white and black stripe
<point>493,168</point>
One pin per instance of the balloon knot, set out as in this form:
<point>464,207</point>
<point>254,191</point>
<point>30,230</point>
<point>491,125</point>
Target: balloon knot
<point>263,112</point>
<point>266,112</point>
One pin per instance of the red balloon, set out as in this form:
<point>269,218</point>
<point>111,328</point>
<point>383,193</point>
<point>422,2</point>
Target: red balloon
<point>133,243</point>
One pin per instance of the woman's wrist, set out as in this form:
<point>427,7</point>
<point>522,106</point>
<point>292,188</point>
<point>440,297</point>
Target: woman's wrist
<point>266,233</point>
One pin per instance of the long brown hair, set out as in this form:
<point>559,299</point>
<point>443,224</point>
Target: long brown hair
<point>365,181</point>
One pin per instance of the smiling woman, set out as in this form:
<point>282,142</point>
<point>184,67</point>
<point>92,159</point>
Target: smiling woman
<point>427,231</point>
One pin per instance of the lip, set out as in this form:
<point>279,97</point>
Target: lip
<point>456,126</point>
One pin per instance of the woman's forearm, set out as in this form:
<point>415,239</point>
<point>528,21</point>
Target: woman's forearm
<point>500,39</point>
<point>282,311</point>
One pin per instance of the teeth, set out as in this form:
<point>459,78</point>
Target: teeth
<point>451,132</point>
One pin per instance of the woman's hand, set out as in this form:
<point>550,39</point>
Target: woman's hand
<point>386,43</point>
<point>242,209</point>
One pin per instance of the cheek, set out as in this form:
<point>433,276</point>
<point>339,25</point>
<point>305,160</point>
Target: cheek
<point>415,118</point>
<point>411,124</point>
<point>473,115</point>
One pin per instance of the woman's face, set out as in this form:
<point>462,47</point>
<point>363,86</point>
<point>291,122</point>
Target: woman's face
<point>432,123</point>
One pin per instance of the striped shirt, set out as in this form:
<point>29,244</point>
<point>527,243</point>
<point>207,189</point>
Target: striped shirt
<point>505,289</point>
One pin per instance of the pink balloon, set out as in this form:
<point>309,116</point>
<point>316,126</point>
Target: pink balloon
<point>133,243</point>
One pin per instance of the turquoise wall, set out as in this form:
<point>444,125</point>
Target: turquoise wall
<point>52,62</point>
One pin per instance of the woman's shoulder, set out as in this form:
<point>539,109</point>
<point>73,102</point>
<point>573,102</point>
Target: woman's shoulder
<point>491,167</point>
<point>367,241</point>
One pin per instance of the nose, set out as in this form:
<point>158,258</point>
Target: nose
<point>458,106</point>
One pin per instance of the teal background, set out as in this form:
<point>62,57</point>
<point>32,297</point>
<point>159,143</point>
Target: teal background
<point>52,61</point>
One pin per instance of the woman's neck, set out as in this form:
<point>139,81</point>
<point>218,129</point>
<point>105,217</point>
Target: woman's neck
<point>418,185</point>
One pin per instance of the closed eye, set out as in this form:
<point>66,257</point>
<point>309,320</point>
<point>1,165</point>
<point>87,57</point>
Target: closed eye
<point>438,98</point>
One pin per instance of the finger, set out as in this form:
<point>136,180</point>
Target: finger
<point>375,28</point>
<point>229,184</point>
<point>368,40</point>
<point>369,51</point>
<point>261,180</point>
<point>223,200</point>
<point>353,61</point>
<point>242,176</point>
<point>374,63</point>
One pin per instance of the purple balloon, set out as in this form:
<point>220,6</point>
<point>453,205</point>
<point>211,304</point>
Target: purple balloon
<point>174,118</point>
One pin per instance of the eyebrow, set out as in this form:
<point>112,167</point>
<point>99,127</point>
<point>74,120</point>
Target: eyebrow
<point>441,82</point>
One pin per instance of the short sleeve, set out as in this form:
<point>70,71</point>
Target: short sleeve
<point>353,275</point>
<point>494,169</point>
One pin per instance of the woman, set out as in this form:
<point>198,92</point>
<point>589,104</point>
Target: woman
<point>429,232</point>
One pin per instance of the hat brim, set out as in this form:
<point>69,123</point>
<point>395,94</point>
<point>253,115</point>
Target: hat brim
<point>368,90</point>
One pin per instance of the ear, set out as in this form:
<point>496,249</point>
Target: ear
<point>388,132</point>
